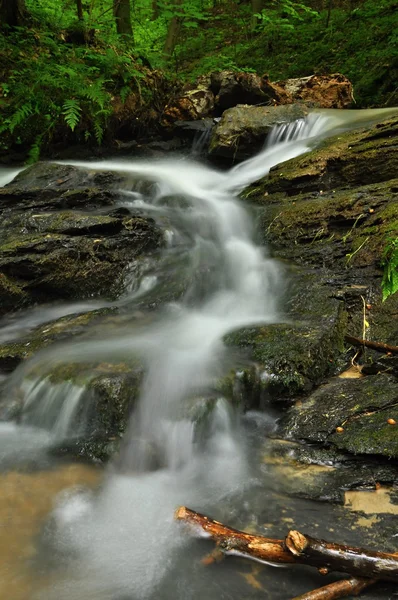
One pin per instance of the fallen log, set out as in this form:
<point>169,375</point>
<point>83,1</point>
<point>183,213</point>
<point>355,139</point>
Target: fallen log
<point>379,346</point>
<point>338,589</point>
<point>296,548</point>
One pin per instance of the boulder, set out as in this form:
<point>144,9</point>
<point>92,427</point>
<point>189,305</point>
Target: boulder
<point>49,252</point>
<point>242,130</point>
<point>231,88</point>
<point>323,91</point>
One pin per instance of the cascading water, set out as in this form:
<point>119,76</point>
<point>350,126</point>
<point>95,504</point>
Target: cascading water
<point>123,544</point>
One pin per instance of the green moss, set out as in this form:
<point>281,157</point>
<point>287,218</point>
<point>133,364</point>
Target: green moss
<point>370,434</point>
<point>291,358</point>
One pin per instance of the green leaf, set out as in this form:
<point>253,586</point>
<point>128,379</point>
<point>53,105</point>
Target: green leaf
<point>71,110</point>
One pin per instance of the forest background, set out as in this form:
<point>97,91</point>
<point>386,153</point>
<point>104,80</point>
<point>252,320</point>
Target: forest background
<point>75,70</point>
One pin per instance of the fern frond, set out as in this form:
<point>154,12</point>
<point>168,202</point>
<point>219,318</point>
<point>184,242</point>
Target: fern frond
<point>96,94</point>
<point>34,152</point>
<point>98,130</point>
<point>20,115</point>
<point>124,92</point>
<point>71,110</point>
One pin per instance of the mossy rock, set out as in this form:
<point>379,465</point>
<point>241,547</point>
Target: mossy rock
<point>14,352</point>
<point>350,159</point>
<point>343,229</point>
<point>359,407</point>
<point>90,258</point>
<point>291,358</point>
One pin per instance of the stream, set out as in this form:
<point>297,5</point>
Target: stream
<point>73,531</point>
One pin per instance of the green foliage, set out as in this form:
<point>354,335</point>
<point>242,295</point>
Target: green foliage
<point>71,110</point>
<point>50,84</point>
<point>294,40</point>
<point>283,16</point>
<point>389,282</point>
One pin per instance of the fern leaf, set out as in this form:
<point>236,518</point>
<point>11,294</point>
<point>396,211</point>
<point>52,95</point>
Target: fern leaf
<point>71,110</point>
<point>124,92</point>
<point>96,94</point>
<point>98,131</point>
<point>34,152</point>
<point>20,115</point>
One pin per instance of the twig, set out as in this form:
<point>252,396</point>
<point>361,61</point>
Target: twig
<point>338,589</point>
<point>379,346</point>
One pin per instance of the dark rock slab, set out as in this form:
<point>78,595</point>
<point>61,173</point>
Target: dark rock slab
<point>291,358</point>
<point>12,353</point>
<point>350,414</point>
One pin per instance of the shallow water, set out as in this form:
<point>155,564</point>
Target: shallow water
<point>120,542</point>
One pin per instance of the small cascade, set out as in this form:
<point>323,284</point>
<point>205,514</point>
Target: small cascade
<point>7,174</point>
<point>56,407</point>
<point>201,141</point>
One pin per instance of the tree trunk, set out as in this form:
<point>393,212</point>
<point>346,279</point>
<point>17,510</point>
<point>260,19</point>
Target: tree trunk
<point>122,14</point>
<point>173,31</point>
<point>329,14</point>
<point>155,10</point>
<point>257,7</point>
<point>12,12</point>
<point>79,7</point>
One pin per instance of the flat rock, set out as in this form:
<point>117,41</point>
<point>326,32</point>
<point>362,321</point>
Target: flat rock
<point>350,414</point>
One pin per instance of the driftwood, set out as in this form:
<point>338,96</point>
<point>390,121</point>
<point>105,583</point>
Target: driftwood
<point>338,589</point>
<point>379,346</point>
<point>365,565</point>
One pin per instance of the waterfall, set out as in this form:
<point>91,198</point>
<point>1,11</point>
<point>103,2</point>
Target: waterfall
<point>123,542</point>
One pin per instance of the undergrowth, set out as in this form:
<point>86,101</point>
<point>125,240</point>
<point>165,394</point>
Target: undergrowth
<point>52,89</point>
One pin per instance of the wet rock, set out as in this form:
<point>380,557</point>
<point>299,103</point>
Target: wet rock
<point>352,415</point>
<point>351,159</point>
<point>49,252</point>
<point>231,88</point>
<point>291,358</point>
<point>242,130</point>
<point>324,91</point>
<point>52,186</point>
<point>48,266</point>
<point>339,229</point>
<point>316,472</point>
<point>106,395</point>
<point>13,352</point>
<point>340,232</point>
